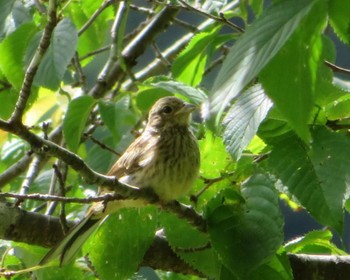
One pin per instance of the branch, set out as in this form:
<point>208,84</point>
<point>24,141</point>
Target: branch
<point>43,146</point>
<point>134,49</point>
<point>34,64</point>
<point>20,166</point>
<point>336,68</point>
<point>37,229</point>
<point>156,66</point>
<point>319,266</point>
<point>95,15</point>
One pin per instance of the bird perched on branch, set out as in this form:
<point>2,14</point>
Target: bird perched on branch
<point>165,158</point>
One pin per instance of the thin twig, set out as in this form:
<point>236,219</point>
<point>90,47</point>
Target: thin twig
<point>62,192</point>
<point>208,183</point>
<point>79,71</point>
<point>193,250</point>
<point>102,145</point>
<point>95,15</point>
<point>142,9</point>
<point>32,173</point>
<point>98,51</point>
<point>134,49</point>
<point>34,64</point>
<point>336,68</point>
<point>156,66</point>
<point>65,199</point>
<point>160,56</point>
<point>220,19</point>
<point>21,165</point>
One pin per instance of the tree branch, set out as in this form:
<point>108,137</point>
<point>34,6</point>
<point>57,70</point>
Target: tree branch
<point>34,64</point>
<point>37,229</point>
<point>134,49</point>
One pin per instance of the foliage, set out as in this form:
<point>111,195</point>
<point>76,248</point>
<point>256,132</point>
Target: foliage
<point>273,123</point>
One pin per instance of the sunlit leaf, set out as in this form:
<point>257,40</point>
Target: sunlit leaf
<point>118,247</point>
<point>243,120</point>
<point>255,48</point>
<point>75,120</point>
<point>314,242</point>
<point>58,56</point>
<point>294,98</point>
<point>189,66</point>
<point>12,50</point>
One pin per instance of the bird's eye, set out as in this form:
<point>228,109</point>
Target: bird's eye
<point>167,109</point>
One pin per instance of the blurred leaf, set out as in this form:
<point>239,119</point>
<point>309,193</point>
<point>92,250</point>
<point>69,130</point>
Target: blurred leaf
<point>339,16</point>
<point>318,177</point>
<point>294,98</point>
<point>6,8</point>
<point>147,96</point>
<point>246,231</point>
<point>339,109</point>
<point>93,37</point>
<point>190,244</point>
<point>195,95</point>
<point>243,120</point>
<point>8,99</point>
<point>58,56</point>
<point>255,48</point>
<point>314,242</point>
<point>75,120</point>
<point>117,117</point>
<point>12,50</point>
<point>190,64</point>
<point>118,247</point>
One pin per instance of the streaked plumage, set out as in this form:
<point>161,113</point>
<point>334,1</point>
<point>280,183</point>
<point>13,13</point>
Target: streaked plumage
<point>165,157</point>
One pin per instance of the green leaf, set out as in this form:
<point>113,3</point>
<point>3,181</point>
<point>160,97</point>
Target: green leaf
<point>75,120</point>
<point>189,66</point>
<point>246,231</point>
<point>339,109</point>
<point>316,176</point>
<point>195,95</point>
<point>256,47</point>
<point>294,98</point>
<point>276,268</point>
<point>12,50</point>
<point>6,8</point>
<point>8,99</point>
<point>118,247</point>
<point>93,37</point>
<point>58,56</point>
<point>190,245</point>
<point>117,117</point>
<point>214,157</point>
<point>147,96</point>
<point>243,120</point>
<point>339,17</point>
<point>314,242</point>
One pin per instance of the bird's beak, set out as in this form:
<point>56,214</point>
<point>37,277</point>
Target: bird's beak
<point>186,109</point>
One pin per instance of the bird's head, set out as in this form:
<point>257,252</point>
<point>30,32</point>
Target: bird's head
<point>169,112</point>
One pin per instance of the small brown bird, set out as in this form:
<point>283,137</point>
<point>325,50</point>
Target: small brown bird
<point>165,157</point>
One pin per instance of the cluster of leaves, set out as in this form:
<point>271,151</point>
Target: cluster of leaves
<point>275,123</point>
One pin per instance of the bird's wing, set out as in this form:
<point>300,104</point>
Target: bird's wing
<point>136,156</point>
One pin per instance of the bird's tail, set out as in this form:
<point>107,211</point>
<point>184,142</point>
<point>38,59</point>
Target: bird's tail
<point>66,249</point>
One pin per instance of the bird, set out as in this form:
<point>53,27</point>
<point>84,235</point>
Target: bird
<point>164,158</point>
